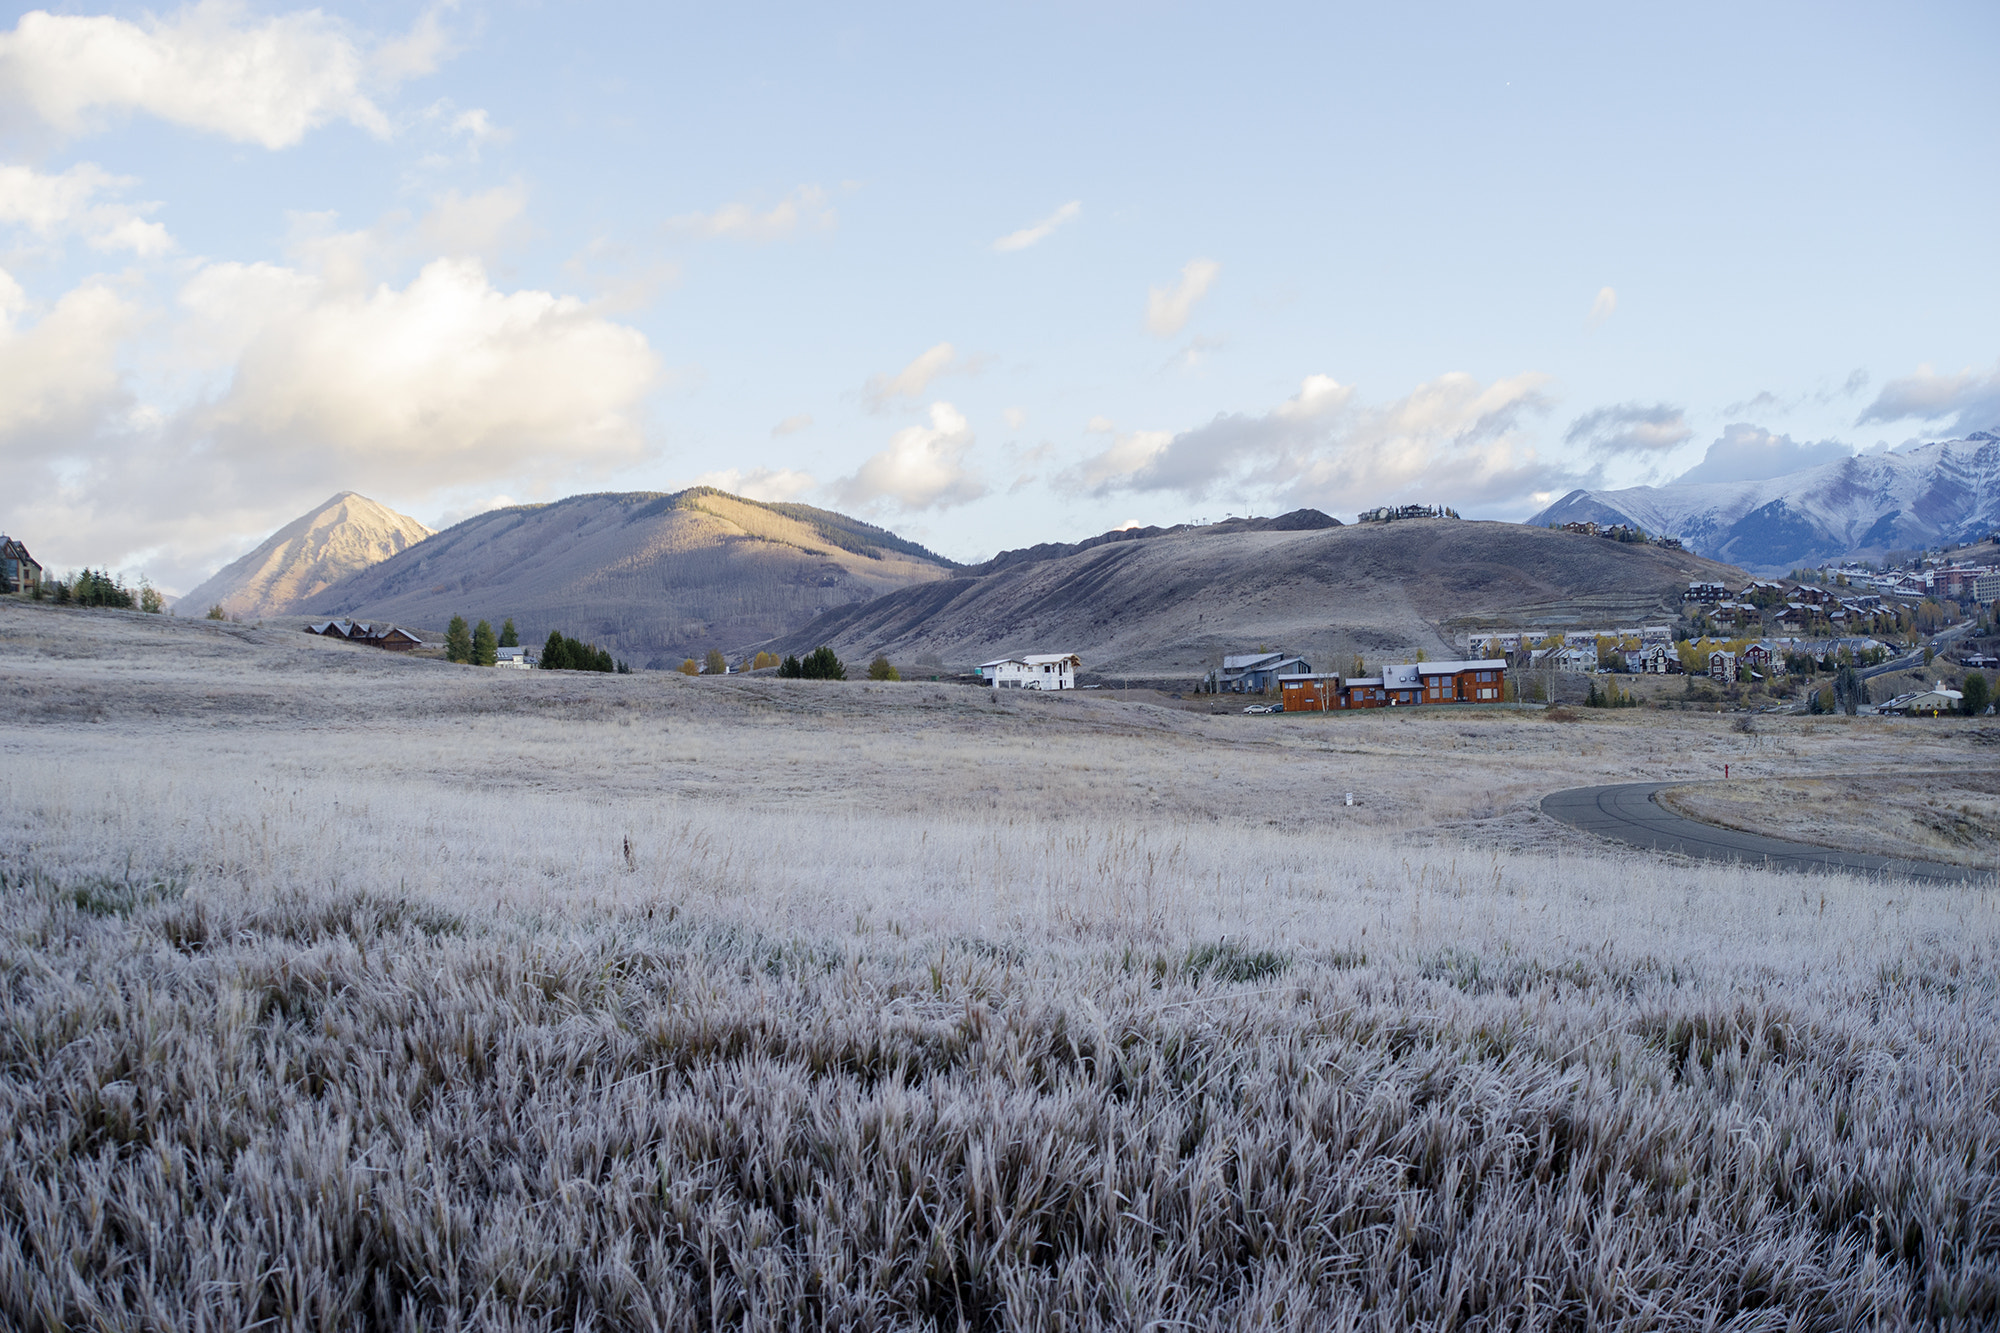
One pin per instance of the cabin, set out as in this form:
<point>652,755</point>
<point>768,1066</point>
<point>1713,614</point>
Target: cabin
<point>19,571</point>
<point>1253,673</point>
<point>1035,671</point>
<point>374,636</point>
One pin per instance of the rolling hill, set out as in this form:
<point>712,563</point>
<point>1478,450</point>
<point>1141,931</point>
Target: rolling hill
<point>1171,605</point>
<point>1911,499</point>
<point>345,535</point>
<point>654,578</point>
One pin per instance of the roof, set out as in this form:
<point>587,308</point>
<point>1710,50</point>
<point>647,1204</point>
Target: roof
<point>1032,659</point>
<point>1453,668</point>
<point>1402,676</point>
<point>1250,661</point>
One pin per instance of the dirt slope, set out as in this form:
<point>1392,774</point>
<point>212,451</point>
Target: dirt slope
<point>654,578</point>
<point>345,535</point>
<point>1172,605</point>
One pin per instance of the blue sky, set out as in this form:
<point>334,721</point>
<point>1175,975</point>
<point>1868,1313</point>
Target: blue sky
<point>986,276</point>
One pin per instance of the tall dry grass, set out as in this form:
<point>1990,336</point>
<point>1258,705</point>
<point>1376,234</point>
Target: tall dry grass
<point>451,1016</point>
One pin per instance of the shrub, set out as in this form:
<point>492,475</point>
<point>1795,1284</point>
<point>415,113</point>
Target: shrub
<point>150,599</point>
<point>821,664</point>
<point>457,641</point>
<point>217,613</point>
<point>879,669</point>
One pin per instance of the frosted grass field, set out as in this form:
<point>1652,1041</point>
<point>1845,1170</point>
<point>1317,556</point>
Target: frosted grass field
<point>342,992</point>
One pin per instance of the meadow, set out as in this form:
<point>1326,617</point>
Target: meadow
<point>343,991</point>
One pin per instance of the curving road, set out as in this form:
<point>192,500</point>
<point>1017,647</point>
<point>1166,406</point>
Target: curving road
<point>1628,813</point>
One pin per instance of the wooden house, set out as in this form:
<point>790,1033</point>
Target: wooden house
<point>1722,665</point>
<point>391,637</point>
<point>19,571</point>
<point>1317,692</point>
<point>1659,659</point>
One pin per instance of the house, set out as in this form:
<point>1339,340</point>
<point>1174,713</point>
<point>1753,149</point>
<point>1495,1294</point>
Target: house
<point>513,657</point>
<point>1722,665</point>
<point>1658,659</point>
<point>1363,692</point>
<point>1482,681</point>
<point>1706,593</point>
<point>1253,673</point>
<point>1314,692</point>
<point>1578,660</point>
<point>1036,671</point>
<point>1758,656</point>
<point>19,571</point>
<point>375,636</point>
<point>1401,686</point>
<point>1924,703</point>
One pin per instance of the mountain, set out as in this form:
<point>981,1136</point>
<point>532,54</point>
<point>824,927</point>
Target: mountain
<point>654,578</point>
<point>1172,604</point>
<point>1931,495</point>
<point>345,535</point>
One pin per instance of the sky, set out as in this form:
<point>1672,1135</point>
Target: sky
<point>985,275</point>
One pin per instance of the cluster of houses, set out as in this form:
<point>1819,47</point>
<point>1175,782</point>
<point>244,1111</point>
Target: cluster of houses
<point>1643,649</point>
<point>1800,609</point>
<point>375,636</point>
<point>1303,690</point>
<point>1396,513</point>
<point>1956,581</point>
<point>1621,532</point>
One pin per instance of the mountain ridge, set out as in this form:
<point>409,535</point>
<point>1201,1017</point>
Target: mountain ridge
<point>1863,506</point>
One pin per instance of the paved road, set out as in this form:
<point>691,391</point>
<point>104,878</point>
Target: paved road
<point>1628,813</point>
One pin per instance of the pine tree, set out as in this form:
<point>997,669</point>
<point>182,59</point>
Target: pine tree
<point>555,653</point>
<point>791,668</point>
<point>821,664</point>
<point>485,652</point>
<point>508,638</point>
<point>457,641</point>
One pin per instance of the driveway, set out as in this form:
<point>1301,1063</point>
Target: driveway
<point>1628,813</point>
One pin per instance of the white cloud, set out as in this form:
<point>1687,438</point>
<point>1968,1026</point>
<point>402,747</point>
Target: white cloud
<point>1168,309</point>
<point>476,224</point>
<point>1969,396</point>
<point>211,66</point>
<point>911,380</point>
<point>445,382</point>
<point>1015,417</point>
<point>1630,428</point>
<point>760,483</point>
<point>1750,453</point>
<point>803,207</point>
<point>792,425</point>
<point>80,201</point>
<point>1452,437</point>
<point>1601,309</point>
<point>61,382</point>
<point>924,467</point>
<point>1027,236</point>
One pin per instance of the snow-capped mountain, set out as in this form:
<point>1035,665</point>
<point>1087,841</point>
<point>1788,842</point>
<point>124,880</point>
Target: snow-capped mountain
<point>1929,495</point>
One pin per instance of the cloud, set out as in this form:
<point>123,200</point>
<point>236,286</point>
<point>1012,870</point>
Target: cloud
<point>1027,236</point>
<point>1630,428</point>
<point>803,207</point>
<point>911,380</point>
<point>1452,438</point>
<point>1750,453</point>
<point>792,425</point>
<point>1602,308</point>
<point>477,224</point>
<point>1970,397</point>
<point>211,66</point>
<point>79,202</point>
<point>1015,417</point>
<point>62,383</point>
<point>760,483</point>
<point>924,467</point>
<point>1167,311</point>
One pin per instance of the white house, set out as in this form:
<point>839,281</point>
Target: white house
<point>512,657</point>
<point>1035,671</point>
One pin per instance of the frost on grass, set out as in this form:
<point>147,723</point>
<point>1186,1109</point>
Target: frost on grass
<point>722,1095</point>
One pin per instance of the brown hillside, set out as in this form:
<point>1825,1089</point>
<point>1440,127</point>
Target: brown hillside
<point>313,552</point>
<point>654,578</point>
<point>1172,605</point>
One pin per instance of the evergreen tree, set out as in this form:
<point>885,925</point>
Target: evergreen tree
<point>600,660</point>
<point>791,668</point>
<point>485,652</point>
<point>457,641</point>
<point>821,664</point>
<point>555,653</point>
<point>1977,694</point>
<point>508,638</point>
